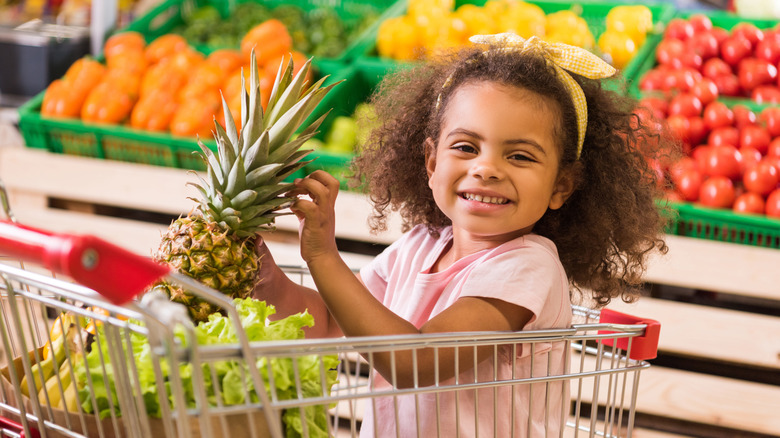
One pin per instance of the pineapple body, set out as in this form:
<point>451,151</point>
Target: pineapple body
<point>212,255</point>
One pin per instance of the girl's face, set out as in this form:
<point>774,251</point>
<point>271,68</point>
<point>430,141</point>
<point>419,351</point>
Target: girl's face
<point>494,168</point>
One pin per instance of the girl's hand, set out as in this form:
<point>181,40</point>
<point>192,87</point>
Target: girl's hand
<point>317,216</point>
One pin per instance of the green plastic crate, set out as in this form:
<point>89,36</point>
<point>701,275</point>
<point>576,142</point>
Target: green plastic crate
<point>359,83</point>
<point>725,225</point>
<point>170,14</point>
<point>721,19</point>
<point>594,13</point>
<point>118,142</point>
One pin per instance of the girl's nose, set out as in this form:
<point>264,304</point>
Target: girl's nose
<point>486,168</point>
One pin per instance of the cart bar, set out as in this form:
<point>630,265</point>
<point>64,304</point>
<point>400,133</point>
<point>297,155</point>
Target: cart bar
<point>642,347</point>
<point>117,274</point>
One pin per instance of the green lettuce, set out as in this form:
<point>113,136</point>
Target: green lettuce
<point>232,377</point>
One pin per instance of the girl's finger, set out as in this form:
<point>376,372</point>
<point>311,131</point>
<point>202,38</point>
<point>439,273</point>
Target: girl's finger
<point>318,191</point>
<point>326,179</point>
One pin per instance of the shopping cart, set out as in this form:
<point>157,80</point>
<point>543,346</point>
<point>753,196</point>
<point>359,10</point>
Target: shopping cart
<point>148,375</point>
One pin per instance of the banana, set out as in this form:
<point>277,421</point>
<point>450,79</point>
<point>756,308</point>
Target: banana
<point>71,401</point>
<point>52,386</point>
<point>46,368</point>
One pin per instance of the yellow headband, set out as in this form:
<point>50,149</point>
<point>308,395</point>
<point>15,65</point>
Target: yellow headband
<point>564,57</point>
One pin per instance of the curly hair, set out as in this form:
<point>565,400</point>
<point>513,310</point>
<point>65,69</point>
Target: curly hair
<point>610,224</point>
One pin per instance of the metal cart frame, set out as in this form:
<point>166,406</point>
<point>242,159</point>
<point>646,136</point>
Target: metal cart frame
<point>99,283</point>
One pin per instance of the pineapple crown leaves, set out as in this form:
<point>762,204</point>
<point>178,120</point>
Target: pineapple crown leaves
<point>244,183</point>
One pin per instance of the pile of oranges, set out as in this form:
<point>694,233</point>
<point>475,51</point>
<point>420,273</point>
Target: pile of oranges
<point>166,85</point>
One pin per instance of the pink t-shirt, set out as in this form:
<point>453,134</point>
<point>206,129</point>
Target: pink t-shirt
<point>525,271</point>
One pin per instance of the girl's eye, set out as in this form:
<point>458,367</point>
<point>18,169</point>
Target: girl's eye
<point>522,157</point>
<point>464,147</point>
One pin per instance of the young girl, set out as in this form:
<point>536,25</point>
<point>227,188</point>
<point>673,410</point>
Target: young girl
<point>516,177</point>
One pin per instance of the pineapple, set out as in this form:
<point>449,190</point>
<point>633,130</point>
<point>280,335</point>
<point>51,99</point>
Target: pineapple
<point>243,189</point>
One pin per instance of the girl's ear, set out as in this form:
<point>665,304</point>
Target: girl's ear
<point>430,156</point>
<point>564,187</point>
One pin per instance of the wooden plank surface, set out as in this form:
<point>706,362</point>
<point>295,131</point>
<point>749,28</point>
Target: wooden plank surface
<point>719,335</point>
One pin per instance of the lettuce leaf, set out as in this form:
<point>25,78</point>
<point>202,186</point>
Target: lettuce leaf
<point>233,382</point>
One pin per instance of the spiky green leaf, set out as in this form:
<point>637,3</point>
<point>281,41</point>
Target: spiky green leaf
<point>262,174</point>
<point>236,181</point>
<point>244,199</point>
<point>230,124</point>
<point>257,154</point>
<point>281,82</point>
<point>290,95</point>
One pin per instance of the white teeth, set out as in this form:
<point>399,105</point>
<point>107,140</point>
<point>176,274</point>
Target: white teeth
<point>485,199</point>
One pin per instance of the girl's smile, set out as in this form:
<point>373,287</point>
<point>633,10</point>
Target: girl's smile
<point>494,170</point>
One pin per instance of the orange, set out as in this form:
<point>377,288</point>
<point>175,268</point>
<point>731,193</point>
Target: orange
<point>229,60</point>
<point>124,41</point>
<point>165,46</point>
<point>269,39</point>
<point>154,111</point>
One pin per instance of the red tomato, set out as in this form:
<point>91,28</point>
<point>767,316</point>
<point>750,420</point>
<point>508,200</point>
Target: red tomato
<point>749,203</point>
<point>761,178</point>
<point>750,157</point>
<point>735,49</point>
<point>769,50</point>
<point>724,135</point>
<point>717,192</point>
<point>771,118</point>
<point>756,137</point>
<point>699,153</point>
<point>749,31</point>
<point>652,80</point>
<point>697,130</point>
<point>679,28</point>
<point>670,52</point>
<point>685,104</point>
<point>705,90</point>
<point>657,105</point>
<point>753,72</point>
<point>704,44</point>
<point>773,204</point>
<point>718,115</point>
<point>724,161</point>
<point>743,116</point>
<point>774,148</point>
<point>688,184</point>
<point>720,33</point>
<point>728,85</point>
<point>765,94</point>
<point>715,67</point>
<point>700,22</point>
<point>678,126</point>
<point>684,164</point>
<point>774,160</point>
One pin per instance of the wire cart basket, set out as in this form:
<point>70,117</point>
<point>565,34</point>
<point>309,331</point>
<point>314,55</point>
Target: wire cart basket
<point>84,355</point>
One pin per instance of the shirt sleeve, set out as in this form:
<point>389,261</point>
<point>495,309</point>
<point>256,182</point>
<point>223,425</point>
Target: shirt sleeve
<point>525,276</point>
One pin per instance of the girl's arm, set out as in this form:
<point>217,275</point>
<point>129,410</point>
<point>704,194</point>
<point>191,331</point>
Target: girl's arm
<point>289,297</point>
<point>358,313</point>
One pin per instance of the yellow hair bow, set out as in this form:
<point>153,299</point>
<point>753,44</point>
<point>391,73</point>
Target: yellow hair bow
<point>564,57</point>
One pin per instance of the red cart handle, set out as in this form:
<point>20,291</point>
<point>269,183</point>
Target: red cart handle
<point>642,347</point>
<point>13,426</point>
<point>117,274</point>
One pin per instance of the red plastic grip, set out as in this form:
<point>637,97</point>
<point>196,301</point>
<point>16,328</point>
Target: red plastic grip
<point>13,426</point>
<point>117,274</point>
<point>642,347</point>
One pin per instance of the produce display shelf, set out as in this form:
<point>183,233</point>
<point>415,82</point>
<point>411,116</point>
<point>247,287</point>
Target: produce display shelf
<point>170,14</point>
<point>692,220</point>
<point>72,136</point>
<point>720,19</point>
<point>594,13</point>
